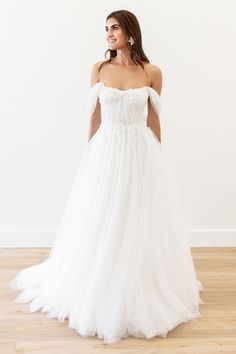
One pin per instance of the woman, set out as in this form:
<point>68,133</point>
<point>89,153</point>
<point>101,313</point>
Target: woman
<point>120,264</point>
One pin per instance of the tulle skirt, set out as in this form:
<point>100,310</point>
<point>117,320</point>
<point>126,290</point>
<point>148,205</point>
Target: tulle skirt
<point>120,264</point>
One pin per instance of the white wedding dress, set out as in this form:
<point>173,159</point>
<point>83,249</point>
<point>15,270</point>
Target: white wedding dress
<point>120,264</point>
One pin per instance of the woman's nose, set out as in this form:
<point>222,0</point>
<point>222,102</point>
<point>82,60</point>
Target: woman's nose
<point>109,31</point>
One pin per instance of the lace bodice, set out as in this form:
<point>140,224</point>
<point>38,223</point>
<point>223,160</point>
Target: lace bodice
<point>123,106</point>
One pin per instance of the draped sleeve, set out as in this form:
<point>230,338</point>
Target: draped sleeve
<point>155,100</point>
<point>92,98</point>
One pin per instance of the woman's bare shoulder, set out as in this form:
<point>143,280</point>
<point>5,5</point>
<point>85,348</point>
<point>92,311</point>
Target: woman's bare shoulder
<point>98,63</point>
<point>155,75</point>
<point>153,68</point>
<point>95,72</point>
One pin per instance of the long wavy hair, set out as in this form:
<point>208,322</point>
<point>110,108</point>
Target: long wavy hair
<point>130,25</point>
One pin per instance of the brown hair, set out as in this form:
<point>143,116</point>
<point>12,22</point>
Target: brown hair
<point>129,23</point>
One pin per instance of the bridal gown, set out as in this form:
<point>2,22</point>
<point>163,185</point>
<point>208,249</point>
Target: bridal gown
<point>120,264</point>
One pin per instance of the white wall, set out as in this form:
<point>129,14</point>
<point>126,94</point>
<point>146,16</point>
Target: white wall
<point>46,52</point>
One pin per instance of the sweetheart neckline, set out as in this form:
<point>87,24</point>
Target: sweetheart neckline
<point>116,89</point>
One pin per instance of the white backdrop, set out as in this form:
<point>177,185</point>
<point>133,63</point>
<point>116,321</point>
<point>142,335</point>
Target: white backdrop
<point>47,49</point>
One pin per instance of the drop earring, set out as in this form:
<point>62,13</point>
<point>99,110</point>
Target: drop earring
<point>131,40</point>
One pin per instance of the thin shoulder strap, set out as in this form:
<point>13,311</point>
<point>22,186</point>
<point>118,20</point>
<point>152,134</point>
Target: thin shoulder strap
<point>147,75</point>
<point>99,69</point>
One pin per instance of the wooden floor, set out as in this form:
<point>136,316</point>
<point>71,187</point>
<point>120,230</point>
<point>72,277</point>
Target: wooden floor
<point>33,333</point>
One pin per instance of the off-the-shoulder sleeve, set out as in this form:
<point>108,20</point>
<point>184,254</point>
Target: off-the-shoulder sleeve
<point>155,101</point>
<point>92,98</point>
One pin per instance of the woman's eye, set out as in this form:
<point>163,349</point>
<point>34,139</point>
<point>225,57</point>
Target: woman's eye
<point>112,28</point>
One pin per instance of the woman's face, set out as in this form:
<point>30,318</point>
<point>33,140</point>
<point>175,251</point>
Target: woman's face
<point>116,37</point>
